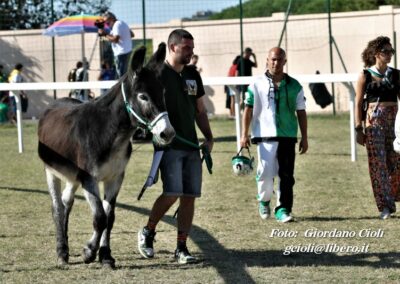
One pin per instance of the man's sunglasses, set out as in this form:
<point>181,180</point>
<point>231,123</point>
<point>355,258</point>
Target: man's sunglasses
<point>388,51</point>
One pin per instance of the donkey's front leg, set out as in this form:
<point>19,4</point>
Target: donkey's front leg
<point>91,191</point>
<point>111,190</point>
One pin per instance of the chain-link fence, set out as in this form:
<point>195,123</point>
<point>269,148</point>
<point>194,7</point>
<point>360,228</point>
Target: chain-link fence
<point>217,42</point>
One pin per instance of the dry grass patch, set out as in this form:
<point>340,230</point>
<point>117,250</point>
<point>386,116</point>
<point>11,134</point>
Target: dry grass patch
<point>233,243</point>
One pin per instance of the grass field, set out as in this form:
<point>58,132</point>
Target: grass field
<point>233,244</point>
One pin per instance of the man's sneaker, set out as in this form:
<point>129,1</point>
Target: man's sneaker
<point>183,256</point>
<point>282,215</point>
<point>145,242</point>
<point>264,210</point>
<point>385,214</point>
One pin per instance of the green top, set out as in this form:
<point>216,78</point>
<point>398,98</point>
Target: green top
<point>181,93</point>
<point>286,106</point>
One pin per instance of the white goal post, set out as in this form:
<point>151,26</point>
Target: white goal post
<point>207,81</point>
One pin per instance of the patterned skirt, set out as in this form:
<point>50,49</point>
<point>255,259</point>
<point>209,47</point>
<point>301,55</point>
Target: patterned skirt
<point>384,162</point>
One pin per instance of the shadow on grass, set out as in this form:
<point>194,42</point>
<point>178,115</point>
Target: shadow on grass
<point>224,260</point>
<point>272,258</point>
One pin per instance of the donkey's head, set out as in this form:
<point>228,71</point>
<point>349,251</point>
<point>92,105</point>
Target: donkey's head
<point>144,95</point>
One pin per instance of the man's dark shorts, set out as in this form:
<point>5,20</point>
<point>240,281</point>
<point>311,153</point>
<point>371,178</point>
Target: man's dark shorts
<point>181,173</point>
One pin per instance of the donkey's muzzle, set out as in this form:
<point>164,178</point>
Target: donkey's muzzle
<point>168,135</point>
<point>163,132</point>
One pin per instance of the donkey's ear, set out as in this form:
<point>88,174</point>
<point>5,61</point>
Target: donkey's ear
<point>138,59</point>
<point>158,58</point>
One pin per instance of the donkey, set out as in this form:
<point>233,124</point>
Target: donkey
<point>87,143</point>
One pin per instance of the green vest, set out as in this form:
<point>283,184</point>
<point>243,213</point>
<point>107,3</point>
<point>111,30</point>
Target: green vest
<point>285,99</point>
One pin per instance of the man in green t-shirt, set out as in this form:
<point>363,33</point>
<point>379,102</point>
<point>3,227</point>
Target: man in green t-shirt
<point>180,166</point>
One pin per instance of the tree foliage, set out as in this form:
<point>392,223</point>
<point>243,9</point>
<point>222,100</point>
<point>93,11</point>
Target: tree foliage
<point>265,8</point>
<point>36,14</point>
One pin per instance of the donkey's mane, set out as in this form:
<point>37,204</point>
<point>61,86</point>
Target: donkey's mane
<point>107,99</point>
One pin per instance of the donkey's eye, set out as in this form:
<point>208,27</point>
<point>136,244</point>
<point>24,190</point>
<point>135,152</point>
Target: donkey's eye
<point>143,97</point>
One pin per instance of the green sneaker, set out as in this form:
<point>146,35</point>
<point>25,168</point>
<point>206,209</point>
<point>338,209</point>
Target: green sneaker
<point>264,210</point>
<point>283,216</point>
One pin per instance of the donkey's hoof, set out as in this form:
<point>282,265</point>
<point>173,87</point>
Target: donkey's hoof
<point>88,255</point>
<point>105,258</point>
<point>62,262</point>
<point>108,264</point>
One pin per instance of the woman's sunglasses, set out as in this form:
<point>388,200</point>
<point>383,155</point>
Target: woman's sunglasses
<point>388,51</point>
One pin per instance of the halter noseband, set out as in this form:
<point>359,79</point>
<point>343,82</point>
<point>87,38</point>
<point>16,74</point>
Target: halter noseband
<point>129,109</point>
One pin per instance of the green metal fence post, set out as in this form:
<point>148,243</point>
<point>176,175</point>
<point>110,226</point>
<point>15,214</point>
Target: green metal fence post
<point>144,21</point>
<point>53,52</point>
<point>331,55</point>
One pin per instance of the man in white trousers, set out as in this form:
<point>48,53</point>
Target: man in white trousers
<point>275,104</point>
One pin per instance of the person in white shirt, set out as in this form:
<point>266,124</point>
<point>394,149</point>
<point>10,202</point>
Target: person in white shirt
<point>15,77</point>
<point>120,37</point>
<point>275,104</point>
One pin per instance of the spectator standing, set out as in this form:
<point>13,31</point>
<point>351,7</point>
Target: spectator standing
<point>106,74</point>
<point>193,62</point>
<point>72,72</point>
<point>80,74</point>
<point>375,121</point>
<point>120,37</point>
<point>16,77</point>
<point>3,98</point>
<point>3,79</point>
<point>229,90</point>
<point>244,67</point>
<point>72,76</point>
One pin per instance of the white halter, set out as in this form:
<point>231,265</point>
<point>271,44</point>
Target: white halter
<point>130,110</point>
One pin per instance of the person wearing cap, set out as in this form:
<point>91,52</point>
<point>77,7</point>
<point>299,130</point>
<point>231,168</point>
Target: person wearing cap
<point>120,37</point>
